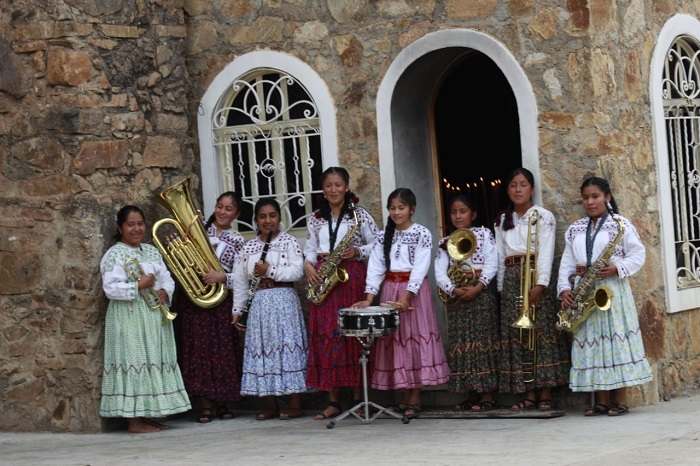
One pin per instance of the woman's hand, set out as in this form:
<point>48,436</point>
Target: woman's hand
<point>608,271</point>
<point>364,303</point>
<point>566,300</point>
<point>468,293</point>
<point>213,277</point>
<point>405,300</point>
<point>234,322</point>
<point>536,295</point>
<point>146,281</point>
<point>311,274</point>
<point>162,296</point>
<point>260,269</point>
<point>350,252</point>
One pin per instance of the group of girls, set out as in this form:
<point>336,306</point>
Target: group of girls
<point>485,353</point>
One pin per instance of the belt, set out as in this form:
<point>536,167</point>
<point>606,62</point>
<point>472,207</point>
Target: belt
<point>580,272</point>
<point>267,283</point>
<point>398,277</point>
<point>518,259</point>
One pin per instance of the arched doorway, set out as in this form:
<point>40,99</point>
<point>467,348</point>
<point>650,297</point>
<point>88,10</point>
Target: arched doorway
<point>477,135</point>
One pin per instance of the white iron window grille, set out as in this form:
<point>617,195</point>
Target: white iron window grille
<point>681,94</point>
<point>268,143</point>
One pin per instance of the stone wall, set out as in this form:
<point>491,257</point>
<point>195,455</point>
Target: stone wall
<point>93,100</point>
<point>98,108</point>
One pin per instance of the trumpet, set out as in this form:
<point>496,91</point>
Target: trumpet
<point>526,320</point>
<point>461,245</point>
<point>135,271</point>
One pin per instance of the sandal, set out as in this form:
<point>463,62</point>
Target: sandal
<point>414,411</point>
<point>524,405</point>
<point>206,416</point>
<point>484,406</point>
<point>465,405</point>
<point>267,414</point>
<point>291,414</point>
<point>544,405</point>
<point>226,415</point>
<point>332,410</point>
<point>597,410</point>
<point>400,408</point>
<point>618,410</point>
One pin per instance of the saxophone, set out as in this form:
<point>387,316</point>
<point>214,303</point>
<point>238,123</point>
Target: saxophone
<point>570,319</point>
<point>330,271</point>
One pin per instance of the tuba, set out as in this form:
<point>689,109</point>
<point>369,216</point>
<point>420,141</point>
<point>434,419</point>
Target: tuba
<point>461,245</point>
<point>526,320</point>
<point>586,302</point>
<point>190,255</point>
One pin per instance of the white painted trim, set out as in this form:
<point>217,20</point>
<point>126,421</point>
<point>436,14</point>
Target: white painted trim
<point>522,89</point>
<point>316,87</point>
<point>676,26</point>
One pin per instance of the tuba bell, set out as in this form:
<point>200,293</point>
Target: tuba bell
<point>190,255</point>
<point>461,245</point>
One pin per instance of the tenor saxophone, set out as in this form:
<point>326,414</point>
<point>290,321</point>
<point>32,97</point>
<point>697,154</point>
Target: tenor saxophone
<point>585,302</point>
<point>330,271</point>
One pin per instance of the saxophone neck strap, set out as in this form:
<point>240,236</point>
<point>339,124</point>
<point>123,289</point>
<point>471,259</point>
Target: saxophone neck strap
<point>591,235</point>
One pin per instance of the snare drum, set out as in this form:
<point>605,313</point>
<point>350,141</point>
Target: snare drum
<point>366,321</point>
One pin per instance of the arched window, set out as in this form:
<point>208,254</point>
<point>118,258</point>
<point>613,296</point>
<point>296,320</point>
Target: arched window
<point>681,97</point>
<point>267,129</point>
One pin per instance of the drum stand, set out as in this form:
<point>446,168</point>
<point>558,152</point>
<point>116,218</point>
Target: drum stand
<point>365,405</point>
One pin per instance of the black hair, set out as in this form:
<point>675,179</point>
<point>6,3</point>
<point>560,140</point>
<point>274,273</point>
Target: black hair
<point>508,220</point>
<point>237,201</point>
<point>466,200</point>
<point>325,207</point>
<point>267,201</point>
<point>123,214</point>
<point>407,196</point>
<point>605,187</point>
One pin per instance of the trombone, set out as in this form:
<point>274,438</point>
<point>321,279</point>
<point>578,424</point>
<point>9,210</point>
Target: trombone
<point>526,321</point>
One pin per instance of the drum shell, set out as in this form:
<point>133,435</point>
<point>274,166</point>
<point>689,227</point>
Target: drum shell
<point>373,320</point>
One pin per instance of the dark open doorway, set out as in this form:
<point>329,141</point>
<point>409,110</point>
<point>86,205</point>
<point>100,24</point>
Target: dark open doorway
<point>477,135</point>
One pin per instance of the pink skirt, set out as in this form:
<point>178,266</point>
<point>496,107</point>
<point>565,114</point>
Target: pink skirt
<point>412,356</point>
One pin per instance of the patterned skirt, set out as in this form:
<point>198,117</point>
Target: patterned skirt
<point>334,359</point>
<point>472,331</point>
<point>141,376</point>
<point>552,362</point>
<point>208,349</point>
<point>274,357</point>
<point>608,351</point>
<point>412,356</point>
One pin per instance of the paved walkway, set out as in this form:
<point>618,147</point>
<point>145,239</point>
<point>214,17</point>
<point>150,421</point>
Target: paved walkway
<point>664,434</point>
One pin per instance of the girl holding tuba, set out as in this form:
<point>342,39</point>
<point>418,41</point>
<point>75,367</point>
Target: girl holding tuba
<point>535,357</point>
<point>472,311</point>
<point>208,348</point>
<point>332,230</point>
<point>608,353</point>
<point>141,378</point>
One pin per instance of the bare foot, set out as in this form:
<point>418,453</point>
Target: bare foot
<point>154,423</point>
<point>138,425</point>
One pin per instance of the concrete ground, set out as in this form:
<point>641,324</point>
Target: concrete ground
<point>663,434</point>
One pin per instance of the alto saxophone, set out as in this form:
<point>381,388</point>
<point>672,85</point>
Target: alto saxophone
<point>330,271</point>
<point>585,302</point>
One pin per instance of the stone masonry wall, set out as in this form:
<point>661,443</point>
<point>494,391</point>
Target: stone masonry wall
<point>93,98</point>
<point>98,103</point>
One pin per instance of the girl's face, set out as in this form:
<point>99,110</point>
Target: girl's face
<point>593,200</point>
<point>334,188</point>
<point>520,190</point>
<point>400,213</point>
<point>461,215</point>
<point>268,220</point>
<point>225,213</point>
<point>132,230</point>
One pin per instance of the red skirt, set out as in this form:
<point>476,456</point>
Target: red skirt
<point>334,359</point>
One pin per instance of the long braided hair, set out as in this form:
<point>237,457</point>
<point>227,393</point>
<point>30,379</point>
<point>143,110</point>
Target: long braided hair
<point>508,217</point>
<point>407,196</point>
<point>605,187</point>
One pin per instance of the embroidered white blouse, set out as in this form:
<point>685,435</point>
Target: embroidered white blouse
<point>411,250</point>
<point>318,236</point>
<point>628,257</point>
<point>227,246</point>
<point>485,258</point>
<point>514,241</point>
<point>284,257</point>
